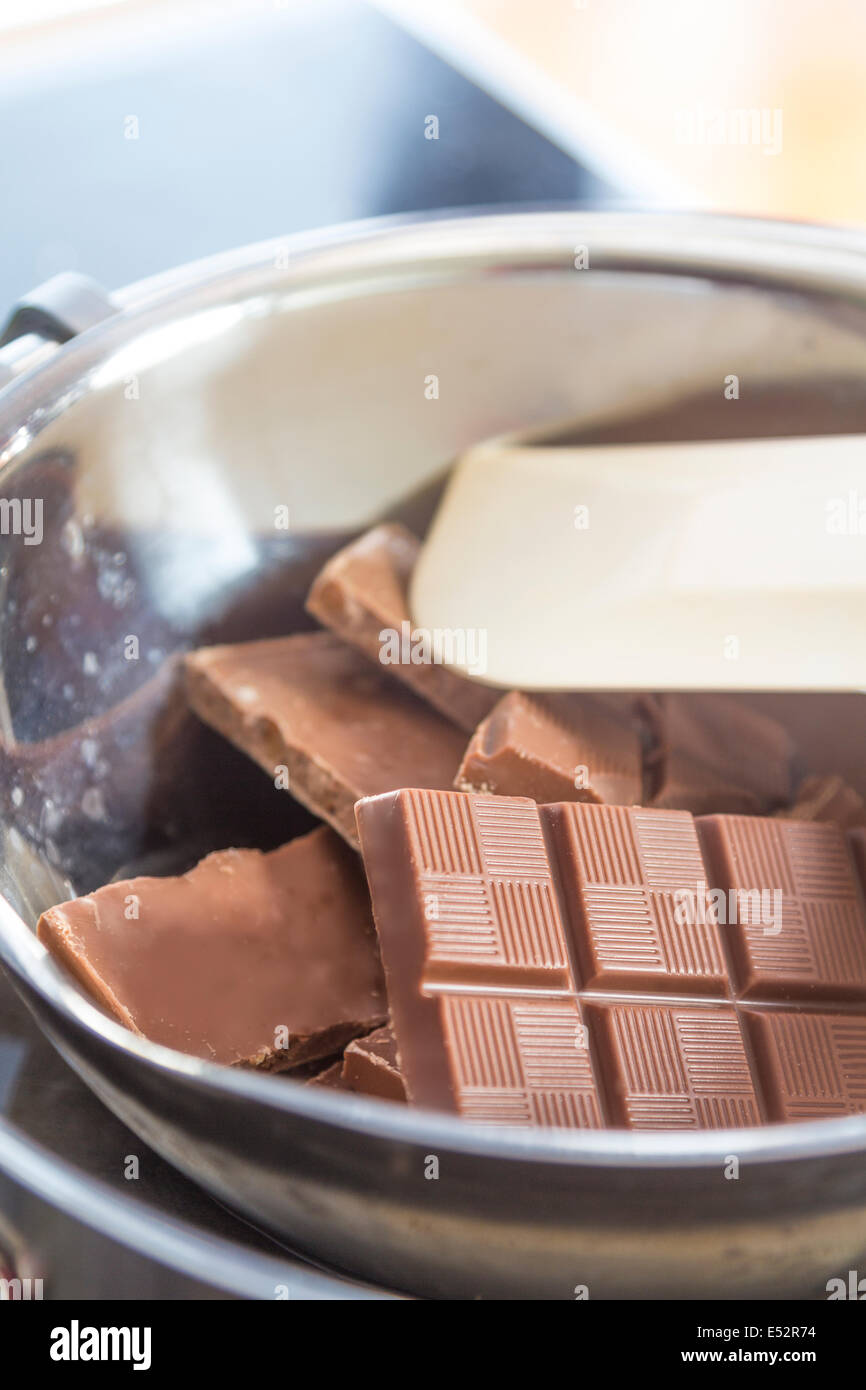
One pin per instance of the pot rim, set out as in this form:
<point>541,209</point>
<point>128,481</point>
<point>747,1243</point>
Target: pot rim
<point>353,260</point>
<point>169,1241</point>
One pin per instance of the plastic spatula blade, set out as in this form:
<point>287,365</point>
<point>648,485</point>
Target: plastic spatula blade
<point>727,565</point>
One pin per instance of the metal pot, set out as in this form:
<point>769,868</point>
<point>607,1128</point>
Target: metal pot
<point>161,439</point>
<point>74,1226</point>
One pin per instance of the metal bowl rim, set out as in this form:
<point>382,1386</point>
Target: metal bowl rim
<point>186,1249</point>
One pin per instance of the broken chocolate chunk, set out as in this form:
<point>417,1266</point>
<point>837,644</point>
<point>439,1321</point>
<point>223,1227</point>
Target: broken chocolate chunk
<point>322,721</point>
<point>371,1066</point>
<point>266,960</point>
<point>331,1077</point>
<point>361,595</point>
<point>555,748</point>
<point>714,754</point>
<point>827,799</point>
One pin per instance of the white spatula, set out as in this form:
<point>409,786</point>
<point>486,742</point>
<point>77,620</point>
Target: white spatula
<point>737,564</point>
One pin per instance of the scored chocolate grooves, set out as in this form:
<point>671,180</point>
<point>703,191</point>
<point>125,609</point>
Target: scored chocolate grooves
<point>577,928</point>
<point>551,843</point>
<point>745,1030</point>
<point>639,976</point>
<point>749,1021</point>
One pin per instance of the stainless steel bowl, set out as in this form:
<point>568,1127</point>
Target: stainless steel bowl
<point>160,439</point>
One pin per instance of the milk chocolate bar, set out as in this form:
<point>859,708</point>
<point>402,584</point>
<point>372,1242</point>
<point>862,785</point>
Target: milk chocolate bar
<point>337,727</point>
<point>714,754</point>
<point>555,748</point>
<point>581,965</point>
<point>361,594</point>
<point>265,960</point>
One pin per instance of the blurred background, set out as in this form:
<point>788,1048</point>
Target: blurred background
<point>138,134</point>
<point>748,106</point>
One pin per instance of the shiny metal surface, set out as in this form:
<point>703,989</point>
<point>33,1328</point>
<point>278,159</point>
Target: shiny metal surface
<point>92,1212</point>
<point>84,1242</point>
<point>268,378</point>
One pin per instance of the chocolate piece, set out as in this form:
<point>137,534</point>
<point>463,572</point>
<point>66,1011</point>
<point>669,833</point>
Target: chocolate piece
<point>516,1059</point>
<point>636,893</point>
<point>564,965</point>
<point>332,1077</point>
<point>857,845</point>
<point>715,754</point>
<point>474,947</point>
<point>683,784</point>
<point>674,1067</point>
<point>828,731</point>
<point>827,799</point>
<point>314,706</point>
<point>268,960</point>
<point>555,748</point>
<point>362,592</point>
<point>309,1071</point>
<point>370,1065</point>
<point>800,928</point>
<point>812,1065</point>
